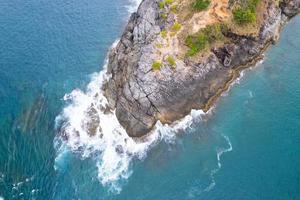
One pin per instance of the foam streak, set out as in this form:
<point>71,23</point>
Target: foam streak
<point>220,152</point>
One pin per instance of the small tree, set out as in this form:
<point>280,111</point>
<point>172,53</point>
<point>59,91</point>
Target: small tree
<point>244,16</point>
<point>246,13</point>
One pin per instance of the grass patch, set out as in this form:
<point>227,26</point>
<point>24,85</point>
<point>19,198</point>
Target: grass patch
<point>196,43</point>
<point>159,45</point>
<point>200,5</point>
<point>169,2</point>
<point>244,16</point>
<point>171,61</point>
<point>174,9</point>
<point>245,13</point>
<point>164,15</point>
<point>204,38</point>
<point>165,3</point>
<point>176,27</point>
<point>164,33</point>
<point>156,65</point>
<point>161,5</point>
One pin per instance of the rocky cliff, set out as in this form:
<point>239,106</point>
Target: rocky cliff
<point>153,78</point>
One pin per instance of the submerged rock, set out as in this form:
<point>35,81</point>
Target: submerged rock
<point>141,96</point>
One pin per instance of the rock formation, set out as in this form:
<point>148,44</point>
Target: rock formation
<point>141,95</point>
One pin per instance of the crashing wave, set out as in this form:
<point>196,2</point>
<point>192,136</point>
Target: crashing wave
<point>87,127</point>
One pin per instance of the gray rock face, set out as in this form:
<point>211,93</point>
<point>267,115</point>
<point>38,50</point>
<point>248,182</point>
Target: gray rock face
<point>290,7</point>
<point>142,96</point>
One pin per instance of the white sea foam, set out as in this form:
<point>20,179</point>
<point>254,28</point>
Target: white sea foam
<point>220,152</point>
<point>62,151</point>
<point>115,149</point>
<point>112,148</point>
<point>133,5</point>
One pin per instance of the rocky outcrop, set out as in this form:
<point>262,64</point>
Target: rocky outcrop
<point>290,7</point>
<point>142,96</point>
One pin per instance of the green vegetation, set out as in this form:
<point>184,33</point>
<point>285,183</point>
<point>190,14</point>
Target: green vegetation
<point>176,27</point>
<point>204,38</point>
<point>164,15</point>
<point>156,65</point>
<point>246,13</point>
<point>174,9</point>
<point>171,60</point>
<point>169,2</point>
<point>244,16</point>
<point>196,44</point>
<point>164,3</point>
<point>161,5</point>
<point>164,33</point>
<point>200,5</point>
<point>159,45</point>
<point>252,4</point>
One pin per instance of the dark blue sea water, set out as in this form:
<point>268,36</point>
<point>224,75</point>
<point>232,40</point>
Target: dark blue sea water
<point>247,148</point>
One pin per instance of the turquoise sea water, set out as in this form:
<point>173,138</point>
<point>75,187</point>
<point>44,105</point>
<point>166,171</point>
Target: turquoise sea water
<point>49,48</point>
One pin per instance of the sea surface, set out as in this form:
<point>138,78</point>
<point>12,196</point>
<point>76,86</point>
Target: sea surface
<point>52,59</point>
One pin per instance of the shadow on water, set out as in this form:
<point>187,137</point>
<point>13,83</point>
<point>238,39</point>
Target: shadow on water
<point>27,154</point>
<point>31,115</point>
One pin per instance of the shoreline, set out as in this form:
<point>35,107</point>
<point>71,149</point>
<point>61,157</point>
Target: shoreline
<point>212,102</point>
<point>237,72</point>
